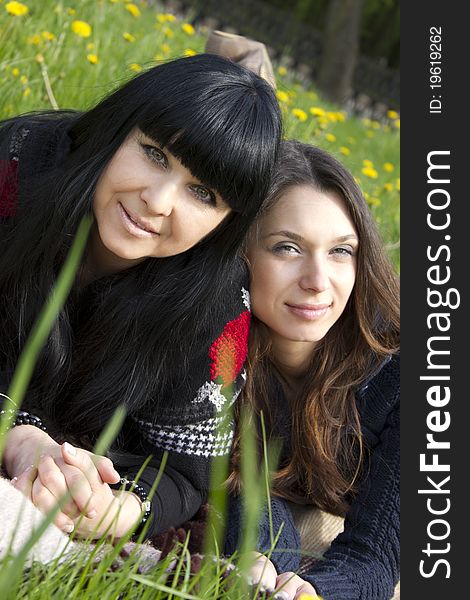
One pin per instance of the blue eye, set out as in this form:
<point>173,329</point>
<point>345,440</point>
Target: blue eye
<point>203,194</point>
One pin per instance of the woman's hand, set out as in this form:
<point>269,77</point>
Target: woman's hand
<point>290,586</point>
<point>94,508</point>
<point>287,586</point>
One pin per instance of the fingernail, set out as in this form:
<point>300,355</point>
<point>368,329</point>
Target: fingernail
<point>281,595</point>
<point>68,528</point>
<point>70,449</point>
<point>91,514</point>
<point>13,481</point>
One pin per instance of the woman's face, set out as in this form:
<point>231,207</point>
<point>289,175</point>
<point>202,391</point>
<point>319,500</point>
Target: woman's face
<point>303,264</point>
<point>147,204</point>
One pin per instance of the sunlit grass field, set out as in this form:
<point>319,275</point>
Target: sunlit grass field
<point>70,54</point>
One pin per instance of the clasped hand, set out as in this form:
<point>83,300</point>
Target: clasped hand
<point>92,507</point>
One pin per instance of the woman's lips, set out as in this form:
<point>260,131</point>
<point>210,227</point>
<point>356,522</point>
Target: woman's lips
<point>309,312</point>
<point>134,225</point>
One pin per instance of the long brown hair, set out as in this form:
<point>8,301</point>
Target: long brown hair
<point>326,442</point>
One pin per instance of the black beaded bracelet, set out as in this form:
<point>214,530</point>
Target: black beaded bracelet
<point>21,417</point>
<point>127,485</point>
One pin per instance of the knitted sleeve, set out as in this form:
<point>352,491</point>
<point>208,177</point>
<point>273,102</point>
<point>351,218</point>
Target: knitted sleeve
<point>363,562</point>
<point>199,426</point>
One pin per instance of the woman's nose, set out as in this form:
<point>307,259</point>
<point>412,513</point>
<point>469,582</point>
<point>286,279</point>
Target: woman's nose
<point>315,276</point>
<point>160,197</point>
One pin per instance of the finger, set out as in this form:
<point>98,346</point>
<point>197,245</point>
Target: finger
<point>306,592</point>
<point>52,477</point>
<point>84,461</point>
<point>105,468</point>
<point>286,585</point>
<point>47,502</point>
<point>24,482</point>
<point>263,573</point>
<point>80,490</point>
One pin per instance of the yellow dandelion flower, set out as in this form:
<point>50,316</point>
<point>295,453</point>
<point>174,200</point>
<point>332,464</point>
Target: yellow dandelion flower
<point>166,48</point>
<point>392,114</point>
<point>368,163</point>
<point>370,172</point>
<point>170,18</point>
<point>128,36</point>
<point>35,39</point>
<point>345,150</point>
<point>370,134</point>
<point>133,9</point>
<point>39,58</point>
<point>388,187</point>
<point>26,92</point>
<point>282,96</point>
<point>397,184</point>
<point>388,167</point>
<point>331,116</point>
<point>17,9</point>
<point>158,57</point>
<point>135,67</point>
<point>48,36</point>
<point>188,29</point>
<point>282,71</point>
<point>92,59</point>
<point>81,28</point>
<point>15,71</point>
<point>299,114</point>
<point>397,123</point>
<point>341,116</point>
<point>372,201</point>
<point>169,33</point>
<point>367,122</point>
<point>330,137</point>
<point>317,111</point>
<point>24,79</point>
<point>161,18</point>
<point>71,12</point>
<point>190,52</point>
<point>375,125</point>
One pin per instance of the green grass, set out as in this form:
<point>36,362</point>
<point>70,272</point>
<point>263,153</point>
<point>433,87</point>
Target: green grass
<point>44,64</point>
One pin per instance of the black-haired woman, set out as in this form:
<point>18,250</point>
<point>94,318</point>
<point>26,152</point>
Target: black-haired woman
<point>173,166</point>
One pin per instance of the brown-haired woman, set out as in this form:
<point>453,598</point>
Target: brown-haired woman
<point>324,371</point>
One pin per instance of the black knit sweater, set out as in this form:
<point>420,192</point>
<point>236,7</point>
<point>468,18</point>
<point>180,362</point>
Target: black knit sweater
<point>185,419</point>
<point>363,561</point>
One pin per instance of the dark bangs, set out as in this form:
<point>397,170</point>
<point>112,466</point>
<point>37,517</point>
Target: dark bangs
<point>221,121</point>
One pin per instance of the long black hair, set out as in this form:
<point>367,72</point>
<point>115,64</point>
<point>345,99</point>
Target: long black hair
<point>223,122</point>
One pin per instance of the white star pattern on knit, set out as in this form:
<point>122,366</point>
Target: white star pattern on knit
<point>246,298</point>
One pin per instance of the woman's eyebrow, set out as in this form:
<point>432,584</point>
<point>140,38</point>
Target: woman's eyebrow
<point>298,238</point>
<point>289,234</point>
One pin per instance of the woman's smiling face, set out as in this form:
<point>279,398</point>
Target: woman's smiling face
<point>303,264</point>
<point>147,204</point>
